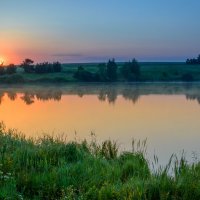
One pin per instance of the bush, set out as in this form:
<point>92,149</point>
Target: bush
<point>83,75</point>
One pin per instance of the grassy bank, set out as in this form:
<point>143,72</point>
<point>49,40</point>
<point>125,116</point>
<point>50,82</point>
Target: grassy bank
<point>149,72</point>
<point>51,168</point>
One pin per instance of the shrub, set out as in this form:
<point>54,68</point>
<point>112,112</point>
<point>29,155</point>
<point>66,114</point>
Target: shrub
<point>84,75</point>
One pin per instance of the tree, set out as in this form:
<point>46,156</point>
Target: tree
<point>135,67</point>
<point>111,69</point>
<point>131,70</point>
<point>11,69</point>
<point>102,72</point>
<point>125,70</point>
<point>42,68</point>
<point>198,59</point>
<point>28,66</point>
<point>57,67</point>
<point>84,75</point>
<point>2,70</point>
<point>193,61</point>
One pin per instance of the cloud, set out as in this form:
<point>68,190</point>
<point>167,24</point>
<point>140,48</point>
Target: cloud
<point>68,55</point>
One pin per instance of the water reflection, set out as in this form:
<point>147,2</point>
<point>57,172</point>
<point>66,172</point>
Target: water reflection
<point>109,93</point>
<point>166,114</point>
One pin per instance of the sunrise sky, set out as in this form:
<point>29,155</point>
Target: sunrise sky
<point>96,30</point>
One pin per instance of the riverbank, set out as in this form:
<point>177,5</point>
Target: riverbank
<point>53,168</point>
<point>149,72</point>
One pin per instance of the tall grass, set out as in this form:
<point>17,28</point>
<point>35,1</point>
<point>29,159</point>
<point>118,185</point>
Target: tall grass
<point>52,168</point>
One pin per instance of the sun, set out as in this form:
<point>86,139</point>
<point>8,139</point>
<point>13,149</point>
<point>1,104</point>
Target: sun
<point>2,61</point>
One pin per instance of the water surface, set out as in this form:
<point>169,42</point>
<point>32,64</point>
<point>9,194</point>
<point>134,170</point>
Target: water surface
<point>168,115</point>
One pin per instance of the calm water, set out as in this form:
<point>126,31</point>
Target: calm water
<point>168,115</point>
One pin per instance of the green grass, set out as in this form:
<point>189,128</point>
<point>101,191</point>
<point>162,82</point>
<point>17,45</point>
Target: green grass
<point>52,168</point>
<point>149,72</point>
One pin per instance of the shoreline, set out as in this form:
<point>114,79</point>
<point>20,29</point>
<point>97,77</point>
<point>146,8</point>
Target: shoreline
<point>52,168</point>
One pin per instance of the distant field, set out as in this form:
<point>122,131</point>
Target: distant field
<point>150,71</point>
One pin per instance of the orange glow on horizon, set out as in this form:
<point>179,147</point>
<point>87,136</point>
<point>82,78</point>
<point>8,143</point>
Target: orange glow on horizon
<point>9,58</point>
<point>2,61</point>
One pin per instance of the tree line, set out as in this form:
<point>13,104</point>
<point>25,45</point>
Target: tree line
<point>193,61</point>
<point>108,72</point>
<point>40,68</point>
<point>10,69</point>
<point>29,67</point>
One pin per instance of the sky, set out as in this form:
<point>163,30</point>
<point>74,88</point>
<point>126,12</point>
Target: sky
<point>96,30</point>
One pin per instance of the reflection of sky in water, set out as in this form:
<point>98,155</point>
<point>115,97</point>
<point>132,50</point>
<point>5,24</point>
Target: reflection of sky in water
<point>169,122</point>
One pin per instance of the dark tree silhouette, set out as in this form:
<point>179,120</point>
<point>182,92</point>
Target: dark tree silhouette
<point>57,67</point>
<point>42,68</point>
<point>28,66</point>
<point>131,70</point>
<point>11,69</point>
<point>102,72</point>
<point>28,98</point>
<point>84,75</point>
<point>193,61</point>
<point>2,70</point>
<point>12,95</point>
<point>198,59</point>
<point>111,68</point>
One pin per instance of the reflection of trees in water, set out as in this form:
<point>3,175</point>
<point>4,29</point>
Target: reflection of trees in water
<point>1,97</point>
<point>80,93</point>
<point>105,93</point>
<point>102,95</point>
<point>12,95</point>
<point>132,95</point>
<point>49,95</point>
<point>193,97</point>
<point>111,95</point>
<point>29,97</point>
<point>108,94</point>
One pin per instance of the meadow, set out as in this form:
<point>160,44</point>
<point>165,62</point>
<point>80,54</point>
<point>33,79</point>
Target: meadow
<point>54,168</point>
<point>149,72</point>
